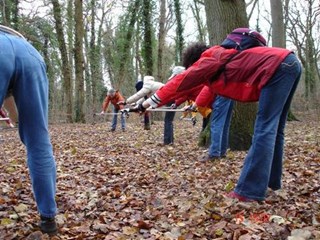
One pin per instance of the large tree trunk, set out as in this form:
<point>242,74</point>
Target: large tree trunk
<point>66,69</point>
<point>222,18</point>
<point>79,61</point>
<point>147,44</point>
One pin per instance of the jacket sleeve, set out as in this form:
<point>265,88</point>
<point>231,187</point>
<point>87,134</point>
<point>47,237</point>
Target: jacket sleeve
<point>199,73</point>
<point>138,95</point>
<point>206,97</point>
<point>105,103</point>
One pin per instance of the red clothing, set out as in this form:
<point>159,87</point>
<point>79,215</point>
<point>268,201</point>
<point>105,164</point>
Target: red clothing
<point>206,97</point>
<point>242,79</point>
<point>190,94</point>
<point>114,100</point>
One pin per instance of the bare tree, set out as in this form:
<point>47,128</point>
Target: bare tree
<point>66,68</point>
<point>79,61</point>
<point>303,25</point>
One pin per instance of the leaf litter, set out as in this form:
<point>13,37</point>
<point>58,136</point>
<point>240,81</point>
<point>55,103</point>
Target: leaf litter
<point>127,185</point>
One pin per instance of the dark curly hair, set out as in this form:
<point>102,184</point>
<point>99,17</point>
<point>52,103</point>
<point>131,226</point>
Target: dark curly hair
<point>192,53</point>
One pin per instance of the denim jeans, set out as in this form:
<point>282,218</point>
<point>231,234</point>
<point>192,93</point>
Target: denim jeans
<point>219,128</point>
<point>115,119</point>
<point>23,71</point>
<point>168,136</point>
<point>263,164</point>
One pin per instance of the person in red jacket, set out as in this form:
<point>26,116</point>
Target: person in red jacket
<point>269,75</point>
<point>114,97</point>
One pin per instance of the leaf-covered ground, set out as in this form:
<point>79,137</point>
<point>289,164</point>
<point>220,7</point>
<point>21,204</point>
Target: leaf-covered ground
<point>127,185</point>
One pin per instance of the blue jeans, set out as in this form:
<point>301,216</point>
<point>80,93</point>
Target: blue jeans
<point>219,128</point>
<point>168,136</point>
<point>263,164</point>
<point>23,71</point>
<point>115,119</point>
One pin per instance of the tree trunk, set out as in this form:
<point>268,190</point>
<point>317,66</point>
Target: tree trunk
<point>179,31</point>
<point>196,13</point>
<point>278,30</point>
<point>147,44</point>
<point>66,69</point>
<point>79,61</point>
<point>161,39</point>
<point>125,50</point>
<point>222,18</point>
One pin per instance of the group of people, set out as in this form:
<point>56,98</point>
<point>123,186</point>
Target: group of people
<point>213,77</point>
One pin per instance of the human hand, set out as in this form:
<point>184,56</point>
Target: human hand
<point>190,108</point>
<point>139,108</point>
<point>125,111</point>
<point>122,102</point>
<point>173,106</point>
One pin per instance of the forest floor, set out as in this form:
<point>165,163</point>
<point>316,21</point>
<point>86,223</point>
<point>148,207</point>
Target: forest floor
<point>127,185</point>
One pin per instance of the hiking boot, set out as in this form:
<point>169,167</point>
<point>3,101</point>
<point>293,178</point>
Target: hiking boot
<point>123,129</point>
<point>48,225</point>
<point>112,130</point>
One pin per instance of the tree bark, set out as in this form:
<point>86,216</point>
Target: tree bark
<point>147,44</point>
<point>179,31</point>
<point>161,39</point>
<point>79,61</point>
<point>278,30</point>
<point>66,68</point>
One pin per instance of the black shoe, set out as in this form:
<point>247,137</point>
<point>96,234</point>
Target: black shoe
<point>48,225</point>
<point>207,158</point>
<point>112,130</point>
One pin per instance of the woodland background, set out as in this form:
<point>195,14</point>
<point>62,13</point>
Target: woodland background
<point>92,45</point>
<point>128,185</point>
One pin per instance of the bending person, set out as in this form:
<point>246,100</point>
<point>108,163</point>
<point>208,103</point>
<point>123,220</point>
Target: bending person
<point>23,72</point>
<point>266,74</point>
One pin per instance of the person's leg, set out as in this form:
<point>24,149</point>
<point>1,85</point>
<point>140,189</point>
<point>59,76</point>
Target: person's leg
<point>226,128</point>
<point>114,120</point>
<point>146,121</point>
<point>123,122</point>
<point>220,123</point>
<point>262,160</point>
<point>30,91</point>
<point>276,168</point>
<point>168,136</point>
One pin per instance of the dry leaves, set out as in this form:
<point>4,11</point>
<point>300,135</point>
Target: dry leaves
<point>126,185</point>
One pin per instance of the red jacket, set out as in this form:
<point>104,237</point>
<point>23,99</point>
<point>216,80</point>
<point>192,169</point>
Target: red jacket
<point>206,97</point>
<point>190,94</point>
<point>114,100</point>
<point>243,78</point>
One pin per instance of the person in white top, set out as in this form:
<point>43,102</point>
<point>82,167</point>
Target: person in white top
<point>149,87</point>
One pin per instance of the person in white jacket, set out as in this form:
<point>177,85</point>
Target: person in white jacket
<point>149,87</point>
